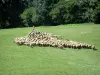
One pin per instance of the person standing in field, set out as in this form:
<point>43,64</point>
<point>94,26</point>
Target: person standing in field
<point>33,27</point>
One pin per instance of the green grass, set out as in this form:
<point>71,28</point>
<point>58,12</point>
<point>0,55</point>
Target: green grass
<point>23,60</point>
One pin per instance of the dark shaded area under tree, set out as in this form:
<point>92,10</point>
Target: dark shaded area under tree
<point>19,13</point>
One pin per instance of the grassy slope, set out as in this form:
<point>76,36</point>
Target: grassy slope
<point>23,60</point>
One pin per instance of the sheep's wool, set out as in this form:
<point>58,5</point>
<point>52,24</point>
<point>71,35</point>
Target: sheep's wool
<point>36,38</point>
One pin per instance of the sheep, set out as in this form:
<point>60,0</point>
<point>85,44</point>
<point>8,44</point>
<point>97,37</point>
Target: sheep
<point>93,47</point>
<point>60,46</point>
<point>47,39</point>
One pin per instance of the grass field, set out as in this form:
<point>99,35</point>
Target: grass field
<point>24,60</point>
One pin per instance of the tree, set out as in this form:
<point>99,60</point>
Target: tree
<point>63,12</point>
<point>9,13</point>
<point>47,12</point>
<point>59,12</point>
<point>97,14</point>
<point>87,9</point>
<point>41,10</point>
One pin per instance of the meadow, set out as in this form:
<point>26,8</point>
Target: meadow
<point>24,60</point>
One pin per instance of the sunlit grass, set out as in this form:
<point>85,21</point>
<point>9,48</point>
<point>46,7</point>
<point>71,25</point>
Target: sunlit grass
<point>23,60</point>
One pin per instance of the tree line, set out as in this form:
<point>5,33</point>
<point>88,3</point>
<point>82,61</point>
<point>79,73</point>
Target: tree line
<point>19,13</point>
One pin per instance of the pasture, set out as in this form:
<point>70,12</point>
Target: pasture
<point>24,60</point>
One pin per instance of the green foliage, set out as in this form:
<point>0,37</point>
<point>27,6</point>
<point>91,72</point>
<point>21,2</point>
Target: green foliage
<point>59,13</point>
<point>9,13</point>
<point>29,16</point>
<point>97,14</point>
<point>47,12</point>
<point>87,8</point>
<point>66,12</point>
<point>73,11</point>
<point>39,15</point>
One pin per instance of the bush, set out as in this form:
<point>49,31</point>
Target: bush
<point>28,16</point>
<point>97,14</point>
<point>59,13</point>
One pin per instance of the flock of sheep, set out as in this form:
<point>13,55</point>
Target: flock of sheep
<point>36,38</point>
